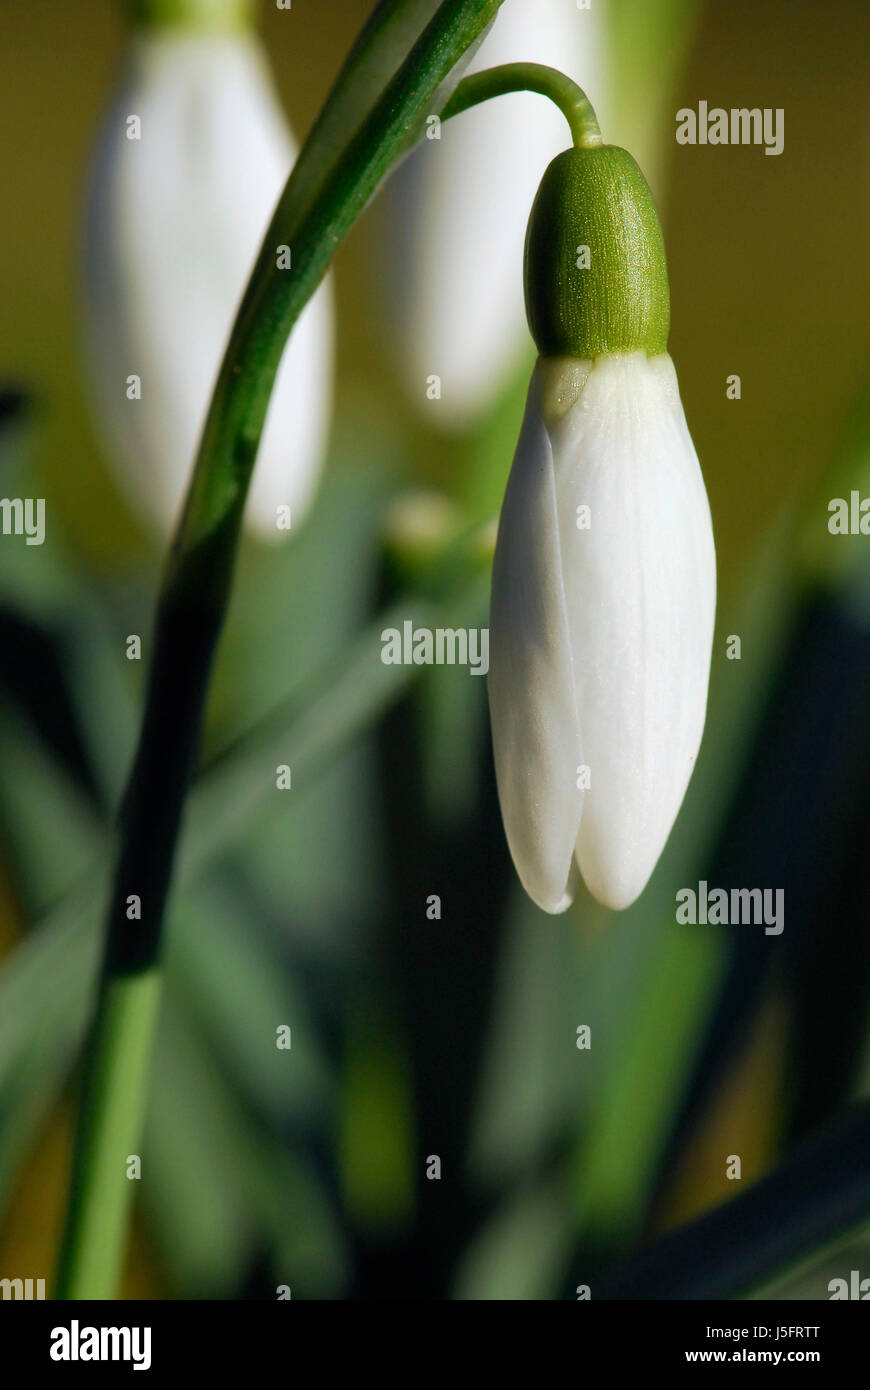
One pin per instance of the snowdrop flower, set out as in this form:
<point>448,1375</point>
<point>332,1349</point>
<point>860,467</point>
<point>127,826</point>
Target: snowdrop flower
<point>459,210</point>
<point>603,589</point>
<point>180,201</point>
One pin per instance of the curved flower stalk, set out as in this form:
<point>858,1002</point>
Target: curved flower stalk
<point>458,212</point>
<point>175,220</point>
<point>604,580</point>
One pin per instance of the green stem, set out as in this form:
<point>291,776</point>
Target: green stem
<point>113,1098</point>
<point>531,77</point>
<point>191,608</point>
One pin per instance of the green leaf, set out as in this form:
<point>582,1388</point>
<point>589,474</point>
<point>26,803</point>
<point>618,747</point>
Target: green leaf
<point>226,975</point>
<point>819,1192</point>
<point>196,1168</point>
<point>218,1192</point>
<point>49,829</point>
<point>521,1251</point>
<point>45,983</point>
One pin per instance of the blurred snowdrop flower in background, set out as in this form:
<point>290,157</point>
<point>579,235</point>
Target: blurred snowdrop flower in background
<point>458,208</point>
<point>180,200</point>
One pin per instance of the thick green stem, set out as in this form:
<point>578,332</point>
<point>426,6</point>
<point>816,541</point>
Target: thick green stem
<point>113,1097</point>
<point>531,77</point>
<point>191,609</point>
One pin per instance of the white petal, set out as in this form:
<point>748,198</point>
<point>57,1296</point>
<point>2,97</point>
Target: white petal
<point>175,221</point>
<point>536,738</point>
<point>640,590</point>
<point>459,209</point>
